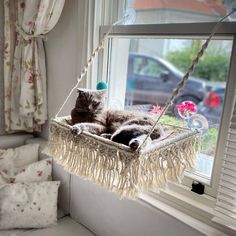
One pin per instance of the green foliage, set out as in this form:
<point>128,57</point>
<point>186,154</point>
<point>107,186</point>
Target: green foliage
<point>208,140</point>
<point>213,66</point>
<point>172,120</point>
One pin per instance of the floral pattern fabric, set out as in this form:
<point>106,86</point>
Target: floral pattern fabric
<point>28,205</point>
<point>14,160</point>
<point>36,172</point>
<point>26,23</point>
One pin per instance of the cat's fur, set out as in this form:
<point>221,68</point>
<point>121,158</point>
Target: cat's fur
<point>125,127</point>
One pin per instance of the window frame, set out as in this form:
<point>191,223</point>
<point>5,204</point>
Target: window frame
<point>186,30</point>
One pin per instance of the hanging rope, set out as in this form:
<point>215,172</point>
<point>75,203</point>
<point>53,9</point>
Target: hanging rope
<point>90,60</point>
<point>181,84</point>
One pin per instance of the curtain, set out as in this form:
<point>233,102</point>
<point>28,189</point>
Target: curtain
<point>26,23</point>
<point>1,70</point>
<point>225,209</point>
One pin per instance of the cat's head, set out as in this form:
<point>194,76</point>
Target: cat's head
<point>90,101</point>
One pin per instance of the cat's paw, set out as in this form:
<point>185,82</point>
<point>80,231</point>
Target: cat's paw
<point>69,122</point>
<point>76,129</point>
<point>134,144</point>
<point>107,136</point>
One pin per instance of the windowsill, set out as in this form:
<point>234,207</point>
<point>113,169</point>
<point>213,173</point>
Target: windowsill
<point>190,208</point>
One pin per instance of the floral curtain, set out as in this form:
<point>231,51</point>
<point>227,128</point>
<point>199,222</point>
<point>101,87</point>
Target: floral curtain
<point>26,23</point>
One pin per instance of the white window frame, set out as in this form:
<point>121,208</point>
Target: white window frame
<point>176,195</point>
<point>190,30</point>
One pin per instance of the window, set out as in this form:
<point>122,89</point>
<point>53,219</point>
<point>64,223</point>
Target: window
<point>144,62</point>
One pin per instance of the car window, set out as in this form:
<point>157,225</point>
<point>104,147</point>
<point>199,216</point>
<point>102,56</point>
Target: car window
<point>147,67</point>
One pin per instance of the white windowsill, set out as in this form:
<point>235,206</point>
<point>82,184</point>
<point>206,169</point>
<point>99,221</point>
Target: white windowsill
<point>190,208</point>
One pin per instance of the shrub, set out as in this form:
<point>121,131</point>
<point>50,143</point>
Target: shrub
<point>212,66</point>
<point>208,140</point>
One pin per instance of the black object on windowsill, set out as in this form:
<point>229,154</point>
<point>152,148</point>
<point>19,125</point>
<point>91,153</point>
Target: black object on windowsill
<point>197,187</point>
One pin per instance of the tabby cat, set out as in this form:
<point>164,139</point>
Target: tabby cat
<point>126,127</point>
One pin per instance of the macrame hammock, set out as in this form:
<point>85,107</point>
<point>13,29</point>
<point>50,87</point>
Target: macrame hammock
<point>115,166</point>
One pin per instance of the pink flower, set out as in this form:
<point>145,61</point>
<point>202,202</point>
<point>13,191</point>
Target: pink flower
<point>49,162</point>
<point>12,180</point>
<point>156,109</point>
<point>40,172</point>
<point>186,108</point>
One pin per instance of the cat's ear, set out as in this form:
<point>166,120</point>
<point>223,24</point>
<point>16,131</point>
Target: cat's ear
<point>79,90</point>
<point>81,93</point>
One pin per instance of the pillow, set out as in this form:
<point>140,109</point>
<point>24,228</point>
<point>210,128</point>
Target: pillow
<point>35,172</point>
<point>14,160</point>
<point>28,205</point>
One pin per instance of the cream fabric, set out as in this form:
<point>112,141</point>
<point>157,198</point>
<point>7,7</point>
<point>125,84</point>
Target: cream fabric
<point>26,21</point>
<point>13,160</point>
<point>1,69</point>
<point>36,172</point>
<point>28,205</point>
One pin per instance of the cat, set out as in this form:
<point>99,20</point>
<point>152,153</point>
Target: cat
<point>126,127</point>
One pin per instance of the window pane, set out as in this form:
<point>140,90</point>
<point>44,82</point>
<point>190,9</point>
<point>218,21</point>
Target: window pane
<point>179,11</point>
<point>144,73</point>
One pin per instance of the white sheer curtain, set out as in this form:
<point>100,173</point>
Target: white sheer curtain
<point>26,23</point>
<point>225,210</point>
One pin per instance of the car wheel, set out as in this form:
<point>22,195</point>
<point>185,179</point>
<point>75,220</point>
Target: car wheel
<point>182,99</point>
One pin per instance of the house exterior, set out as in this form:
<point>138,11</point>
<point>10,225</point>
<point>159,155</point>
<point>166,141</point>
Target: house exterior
<point>172,11</point>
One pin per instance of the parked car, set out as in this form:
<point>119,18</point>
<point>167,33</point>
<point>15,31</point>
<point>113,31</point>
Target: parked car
<point>212,105</point>
<point>151,80</point>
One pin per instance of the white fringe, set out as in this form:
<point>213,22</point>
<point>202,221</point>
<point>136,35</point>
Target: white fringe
<point>118,169</point>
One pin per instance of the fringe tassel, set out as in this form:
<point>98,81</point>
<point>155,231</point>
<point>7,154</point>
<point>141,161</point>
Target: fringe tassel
<point>123,172</point>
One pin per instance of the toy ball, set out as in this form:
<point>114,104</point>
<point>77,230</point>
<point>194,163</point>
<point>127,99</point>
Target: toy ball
<point>101,85</point>
<point>198,122</point>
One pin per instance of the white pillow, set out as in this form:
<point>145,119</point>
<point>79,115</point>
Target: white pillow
<point>28,205</point>
<point>14,160</point>
<point>36,172</point>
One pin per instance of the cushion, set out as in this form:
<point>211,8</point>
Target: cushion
<point>28,205</point>
<point>12,161</point>
<point>58,173</point>
<point>35,172</point>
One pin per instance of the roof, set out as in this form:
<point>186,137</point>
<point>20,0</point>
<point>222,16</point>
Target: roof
<point>208,7</point>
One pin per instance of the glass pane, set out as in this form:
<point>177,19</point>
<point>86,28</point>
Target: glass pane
<point>179,11</point>
<point>144,73</point>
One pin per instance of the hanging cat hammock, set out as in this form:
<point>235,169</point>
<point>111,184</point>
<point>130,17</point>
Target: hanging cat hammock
<point>115,166</point>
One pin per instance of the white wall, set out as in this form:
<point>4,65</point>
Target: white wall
<point>99,210</point>
<point>64,48</point>
<point>104,213</point>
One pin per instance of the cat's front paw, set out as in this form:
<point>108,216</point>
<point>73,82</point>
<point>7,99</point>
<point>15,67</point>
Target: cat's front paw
<point>134,144</point>
<point>76,129</point>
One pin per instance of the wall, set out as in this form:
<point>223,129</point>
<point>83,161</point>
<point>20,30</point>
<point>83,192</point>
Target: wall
<point>64,48</point>
<point>104,213</point>
<point>99,210</point>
